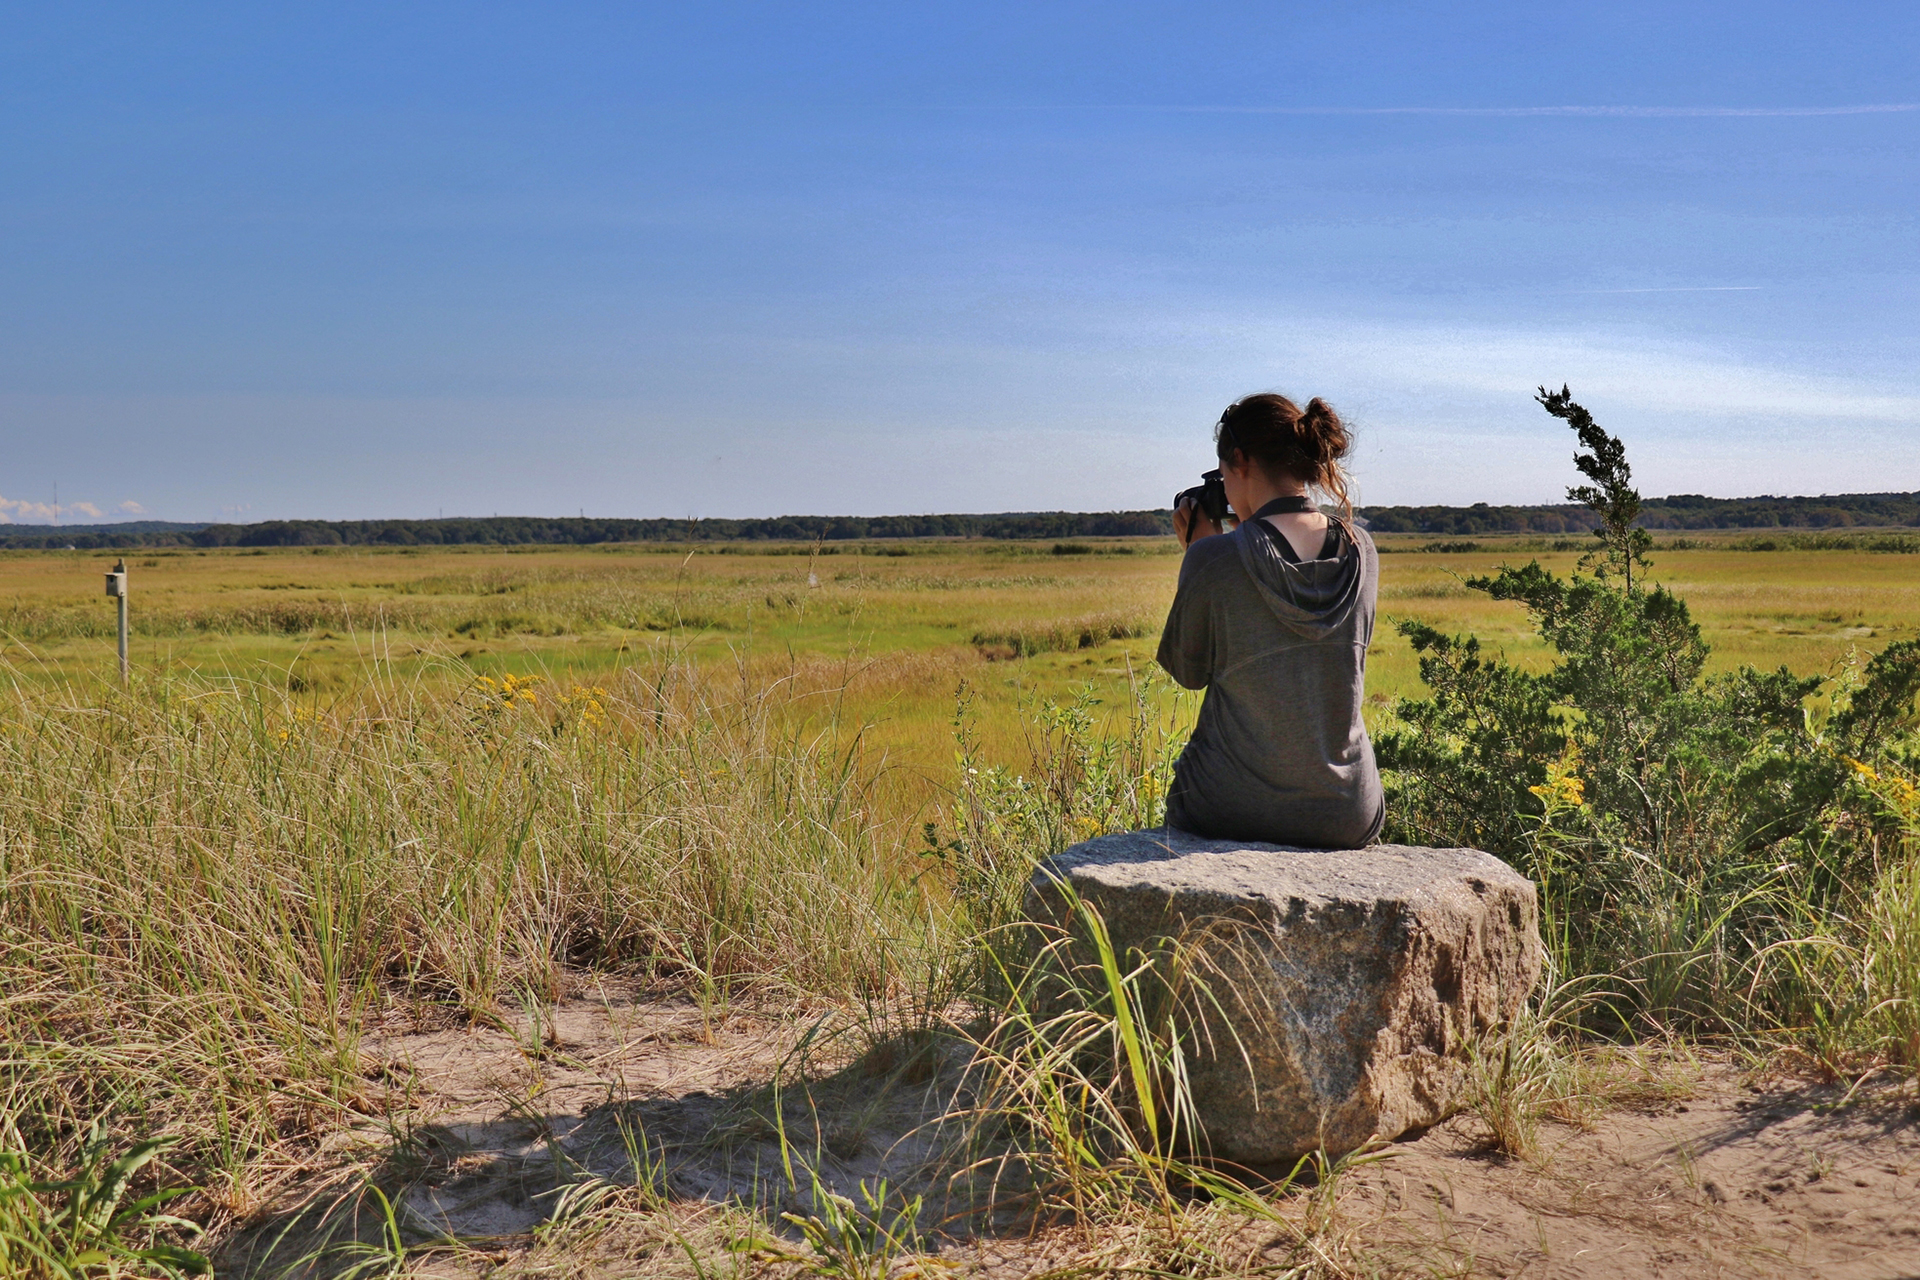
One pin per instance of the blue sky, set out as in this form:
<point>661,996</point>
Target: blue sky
<point>356,261</point>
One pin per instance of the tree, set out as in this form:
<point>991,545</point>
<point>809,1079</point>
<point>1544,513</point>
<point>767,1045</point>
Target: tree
<point>1611,496</point>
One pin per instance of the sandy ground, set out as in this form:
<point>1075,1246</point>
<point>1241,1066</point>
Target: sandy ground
<point>1740,1180</point>
<point>484,1128</point>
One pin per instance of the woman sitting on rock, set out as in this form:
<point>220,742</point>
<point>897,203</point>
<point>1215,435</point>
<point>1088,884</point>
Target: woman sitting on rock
<point>1273,621</point>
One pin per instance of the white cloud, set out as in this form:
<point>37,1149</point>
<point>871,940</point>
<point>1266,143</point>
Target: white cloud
<point>13,510</point>
<point>1632,374</point>
<point>1455,416</point>
<point>20,511</point>
<point>1448,370</point>
<point>1445,413</point>
<point>131,508</point>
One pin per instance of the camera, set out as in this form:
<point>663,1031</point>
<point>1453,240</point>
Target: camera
<point>1210,496</point>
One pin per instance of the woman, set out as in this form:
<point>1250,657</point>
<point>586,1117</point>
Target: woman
<point>1273,621</point>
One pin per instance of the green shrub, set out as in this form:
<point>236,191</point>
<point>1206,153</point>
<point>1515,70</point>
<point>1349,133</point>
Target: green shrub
<point>1679,824</point>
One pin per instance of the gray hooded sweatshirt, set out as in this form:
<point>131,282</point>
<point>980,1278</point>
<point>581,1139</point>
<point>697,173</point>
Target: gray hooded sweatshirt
<point>1280,753</point>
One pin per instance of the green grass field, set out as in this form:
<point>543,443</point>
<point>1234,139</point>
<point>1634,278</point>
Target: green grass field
<point>901,624</point>
<point>880,636</point>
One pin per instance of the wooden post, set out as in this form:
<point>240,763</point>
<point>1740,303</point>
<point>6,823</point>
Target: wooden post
<point>117,588</point>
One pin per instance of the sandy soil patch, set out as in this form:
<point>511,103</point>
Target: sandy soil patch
<point>485,1129</point>
<point>1740,1180</point>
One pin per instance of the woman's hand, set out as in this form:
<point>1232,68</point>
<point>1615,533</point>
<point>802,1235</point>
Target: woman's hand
<point>1191,524</point>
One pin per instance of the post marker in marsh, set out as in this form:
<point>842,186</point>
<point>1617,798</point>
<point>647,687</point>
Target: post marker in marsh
<point>117,589</point>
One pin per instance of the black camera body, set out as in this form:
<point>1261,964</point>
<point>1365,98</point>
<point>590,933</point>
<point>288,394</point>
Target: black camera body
<point>1210,496</point>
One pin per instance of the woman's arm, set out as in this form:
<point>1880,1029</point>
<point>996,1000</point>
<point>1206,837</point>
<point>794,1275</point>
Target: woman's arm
<point>1187,641</point>
<point>1190,524</point>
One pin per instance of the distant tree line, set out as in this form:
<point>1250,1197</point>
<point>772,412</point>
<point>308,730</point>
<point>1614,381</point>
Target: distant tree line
<point>1681,511</point>
<point>534,530</point>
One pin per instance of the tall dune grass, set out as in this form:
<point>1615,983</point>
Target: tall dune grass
<point>208,891</point>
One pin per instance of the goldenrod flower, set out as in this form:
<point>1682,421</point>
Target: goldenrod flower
<point>1564,788</point>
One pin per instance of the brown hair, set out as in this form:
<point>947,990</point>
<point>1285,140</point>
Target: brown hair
<point>1284,439</point>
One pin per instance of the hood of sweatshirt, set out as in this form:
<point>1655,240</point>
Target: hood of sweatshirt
<point>1318,599</point>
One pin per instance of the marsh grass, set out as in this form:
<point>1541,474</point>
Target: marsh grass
<point>1065,635</point>
<point>269,615</point>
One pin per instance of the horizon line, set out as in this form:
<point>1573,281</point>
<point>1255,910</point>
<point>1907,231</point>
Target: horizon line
<point>9,526</point>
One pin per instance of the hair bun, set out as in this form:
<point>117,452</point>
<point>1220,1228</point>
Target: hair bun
<point>1304,443</point>
<point>1322,437</point>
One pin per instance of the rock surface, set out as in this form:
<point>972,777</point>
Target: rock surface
<point>1351,980</point>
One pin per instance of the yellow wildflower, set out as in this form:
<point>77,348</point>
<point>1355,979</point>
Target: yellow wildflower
<point>1564,788</point>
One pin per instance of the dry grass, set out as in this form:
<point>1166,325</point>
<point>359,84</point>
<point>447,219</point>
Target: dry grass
<point>208,891</point>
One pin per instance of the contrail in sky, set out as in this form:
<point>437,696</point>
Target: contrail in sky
<point>1858,109</point>
<point>1682,288</point>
